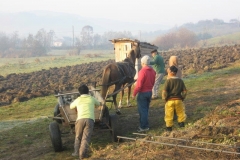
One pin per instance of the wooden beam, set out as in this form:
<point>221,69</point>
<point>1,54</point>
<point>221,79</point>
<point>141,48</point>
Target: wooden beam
<point>116,92</point>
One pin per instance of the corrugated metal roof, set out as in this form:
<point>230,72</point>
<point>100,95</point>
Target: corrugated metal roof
<point>143,44</point>
<point>148,45</point>
<point>123,40</point>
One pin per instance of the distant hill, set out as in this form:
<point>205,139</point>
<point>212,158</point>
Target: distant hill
<point>228,39</point>
<point>215,27</point>
<point>61,23</point>
<point>214,32</point>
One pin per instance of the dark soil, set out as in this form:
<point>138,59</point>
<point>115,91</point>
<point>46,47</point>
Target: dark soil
<point>24,86</point>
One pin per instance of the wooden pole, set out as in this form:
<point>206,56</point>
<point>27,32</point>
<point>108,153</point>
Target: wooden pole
<point>73,35</point>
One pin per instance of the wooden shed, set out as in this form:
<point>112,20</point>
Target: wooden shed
<point>123,45</point>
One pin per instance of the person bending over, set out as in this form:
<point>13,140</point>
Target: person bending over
<point>84,105</point>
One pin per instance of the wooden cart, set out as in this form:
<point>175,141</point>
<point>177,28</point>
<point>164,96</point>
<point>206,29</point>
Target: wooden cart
<point>63,115</point>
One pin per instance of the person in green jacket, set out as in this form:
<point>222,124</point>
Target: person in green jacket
<point>159,67</point>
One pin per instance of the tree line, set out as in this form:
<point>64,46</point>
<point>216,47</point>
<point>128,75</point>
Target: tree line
<point>189,34</point>
<point>40,44</point>
<point>180,38</point>
<point>12,46</point>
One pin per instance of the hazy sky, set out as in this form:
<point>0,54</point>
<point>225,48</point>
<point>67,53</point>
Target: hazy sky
<point>167,12</point>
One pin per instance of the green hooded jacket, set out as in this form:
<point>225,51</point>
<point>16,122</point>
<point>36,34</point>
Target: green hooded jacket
<point>158,64</point>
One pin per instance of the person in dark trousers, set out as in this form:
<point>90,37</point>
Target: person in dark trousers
<point>159,68</point>
<point>84,105</point>
<point>174,92</point>
<point>143,90</point>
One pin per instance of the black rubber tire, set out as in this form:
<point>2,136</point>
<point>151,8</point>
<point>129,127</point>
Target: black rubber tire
<point>57,112</point>
<point>106,114</point>
<point>113,124</point>
<point>55,136</point>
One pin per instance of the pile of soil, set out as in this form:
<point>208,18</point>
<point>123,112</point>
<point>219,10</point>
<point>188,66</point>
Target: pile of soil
<point>24,86</point>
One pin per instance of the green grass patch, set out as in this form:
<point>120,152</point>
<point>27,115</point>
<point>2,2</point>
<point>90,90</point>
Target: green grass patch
<point>24,137</point>
<point>83,52</point>
<point>207,80</point>
<point>34,108</point>
<point>26,65</point>
<point>206,109</point>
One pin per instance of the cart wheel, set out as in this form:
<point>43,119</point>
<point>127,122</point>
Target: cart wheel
<point>57,112</point>
<point>106,114</point>
<point>113,125</point>
<point>55,136</point>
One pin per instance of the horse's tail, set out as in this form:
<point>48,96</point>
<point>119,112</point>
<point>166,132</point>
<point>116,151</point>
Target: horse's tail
<point>105,81</point>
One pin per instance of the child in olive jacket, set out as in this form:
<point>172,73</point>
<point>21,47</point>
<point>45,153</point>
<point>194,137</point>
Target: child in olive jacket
<point>174,92</point>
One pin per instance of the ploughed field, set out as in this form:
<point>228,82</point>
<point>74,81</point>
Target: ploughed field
<point>24,86</point>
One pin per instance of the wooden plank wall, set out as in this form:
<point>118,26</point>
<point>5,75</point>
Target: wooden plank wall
<point>120,51</point>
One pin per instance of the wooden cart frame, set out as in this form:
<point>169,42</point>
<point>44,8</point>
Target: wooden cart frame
<point>63,115</point>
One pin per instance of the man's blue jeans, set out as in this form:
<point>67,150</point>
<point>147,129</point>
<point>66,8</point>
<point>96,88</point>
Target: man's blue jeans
<point>143,102</point>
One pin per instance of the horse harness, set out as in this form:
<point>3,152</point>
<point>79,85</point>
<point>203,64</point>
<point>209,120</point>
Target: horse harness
<point>125,69</point>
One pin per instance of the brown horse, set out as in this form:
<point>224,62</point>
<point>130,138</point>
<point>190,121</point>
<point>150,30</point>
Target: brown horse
<point>120,74</point>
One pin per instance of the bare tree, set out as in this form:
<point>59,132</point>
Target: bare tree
<point>87,36</point>
<point>180,38</point>
<point>186,38</point>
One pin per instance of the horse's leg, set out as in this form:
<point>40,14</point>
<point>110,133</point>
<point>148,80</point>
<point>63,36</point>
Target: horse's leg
<point>128,96</point>
<point>120,101</point>
<point>117,87</point>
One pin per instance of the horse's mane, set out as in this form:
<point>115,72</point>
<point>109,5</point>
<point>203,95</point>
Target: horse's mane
<point>127,59</point>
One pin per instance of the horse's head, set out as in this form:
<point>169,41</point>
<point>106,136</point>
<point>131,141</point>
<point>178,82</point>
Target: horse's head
<point>136,48</point>
<point>134,52</point>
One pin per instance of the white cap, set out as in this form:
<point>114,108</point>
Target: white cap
<point>145,60</point>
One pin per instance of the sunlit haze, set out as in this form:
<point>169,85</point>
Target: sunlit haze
<point>165,12</point>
